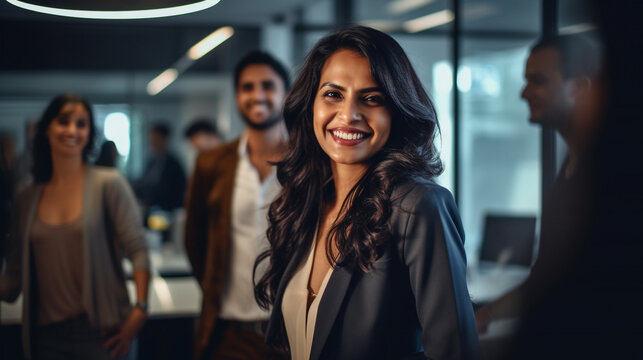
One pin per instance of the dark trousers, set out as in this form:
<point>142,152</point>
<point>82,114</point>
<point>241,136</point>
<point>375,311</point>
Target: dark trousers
<point>72,339</point>
<point>232,340</point>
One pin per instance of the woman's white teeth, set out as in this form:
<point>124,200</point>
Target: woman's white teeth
<point>348,136</point>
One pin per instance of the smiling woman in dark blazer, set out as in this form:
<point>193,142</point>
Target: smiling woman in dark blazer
<point>366,257</point>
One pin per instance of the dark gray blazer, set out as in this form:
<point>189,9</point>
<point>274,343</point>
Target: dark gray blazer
<point>413,304</point>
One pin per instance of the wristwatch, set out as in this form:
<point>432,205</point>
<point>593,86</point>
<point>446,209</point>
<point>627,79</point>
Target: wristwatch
<point>142,305</point>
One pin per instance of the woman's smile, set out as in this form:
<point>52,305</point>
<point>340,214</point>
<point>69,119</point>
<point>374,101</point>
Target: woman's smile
<point>348,136</point>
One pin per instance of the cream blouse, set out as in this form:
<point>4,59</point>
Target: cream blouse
<point>300,326</point>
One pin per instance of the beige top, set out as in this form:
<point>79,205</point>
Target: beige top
<point>300,326</point>
<point>58,259</point>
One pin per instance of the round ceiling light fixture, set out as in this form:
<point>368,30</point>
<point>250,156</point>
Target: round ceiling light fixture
<point>115,9</point>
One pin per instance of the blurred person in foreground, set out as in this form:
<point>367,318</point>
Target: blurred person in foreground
<point>226,221</point>
<point>367,252</point>
<point>595,310</point>
<point>70,231</point>
<point>561,73</point>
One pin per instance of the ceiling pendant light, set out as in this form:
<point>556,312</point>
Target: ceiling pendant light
<point>197,51</point>
<point>115,9</point>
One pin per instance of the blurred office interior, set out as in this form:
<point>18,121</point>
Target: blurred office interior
<point>469,54</point>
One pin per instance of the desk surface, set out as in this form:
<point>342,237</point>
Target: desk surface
<point>174,292</point>
<point>171,296</point>
<point>487,281</point>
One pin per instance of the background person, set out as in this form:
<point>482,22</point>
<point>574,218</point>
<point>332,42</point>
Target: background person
<point>161,190</point>
<point>108,155</point>
<point>163,183</point>
<point>70,230</point>
<point>226,222</point>
<point>203,135</point>
<point>22,164</point>
<point>6,197</point>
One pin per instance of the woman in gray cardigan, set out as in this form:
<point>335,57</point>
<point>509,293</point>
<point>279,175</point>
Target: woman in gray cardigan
<point>70,230</point>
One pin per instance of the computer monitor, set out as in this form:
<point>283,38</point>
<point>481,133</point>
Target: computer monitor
<point>508,239</point>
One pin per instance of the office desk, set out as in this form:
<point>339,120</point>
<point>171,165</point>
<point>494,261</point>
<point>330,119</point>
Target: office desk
<point>174,303</point>
<point>487,281</point>
<point>173,291</point>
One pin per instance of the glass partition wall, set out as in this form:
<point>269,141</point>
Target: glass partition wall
<point>498,149</point>
<point>423,29</point>
<point>490,151</point>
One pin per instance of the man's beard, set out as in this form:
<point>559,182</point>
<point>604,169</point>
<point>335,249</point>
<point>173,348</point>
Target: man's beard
<point>268,124</point>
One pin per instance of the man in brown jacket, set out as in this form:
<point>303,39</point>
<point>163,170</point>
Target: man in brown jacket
<point>227,203</point>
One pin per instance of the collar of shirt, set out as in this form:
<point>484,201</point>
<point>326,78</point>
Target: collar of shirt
<point>242,150</point>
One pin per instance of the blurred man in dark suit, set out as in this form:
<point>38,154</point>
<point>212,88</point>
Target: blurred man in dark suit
<point>562,75</point>
<point>595,310</point>
<point>163,183</point>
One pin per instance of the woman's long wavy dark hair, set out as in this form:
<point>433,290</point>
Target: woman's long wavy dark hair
<point>362,231</point>
<point>42,163</point>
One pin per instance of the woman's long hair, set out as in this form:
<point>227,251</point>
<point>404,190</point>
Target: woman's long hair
<point>42,163</point>
<point>363,229</point>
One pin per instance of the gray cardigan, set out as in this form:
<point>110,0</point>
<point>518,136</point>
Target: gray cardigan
<point>112,228</point>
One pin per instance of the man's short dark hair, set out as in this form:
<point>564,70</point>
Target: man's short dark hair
<point>580,55</point>
<point>201,125</point>
<point>260,57</point>
<point>161,129</point>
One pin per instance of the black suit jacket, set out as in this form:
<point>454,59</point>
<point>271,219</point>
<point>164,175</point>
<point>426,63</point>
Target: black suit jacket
<point>413,304</point>
<point>164,188</point>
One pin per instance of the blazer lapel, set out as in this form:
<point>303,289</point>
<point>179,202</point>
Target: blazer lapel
<point>329,307</point>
